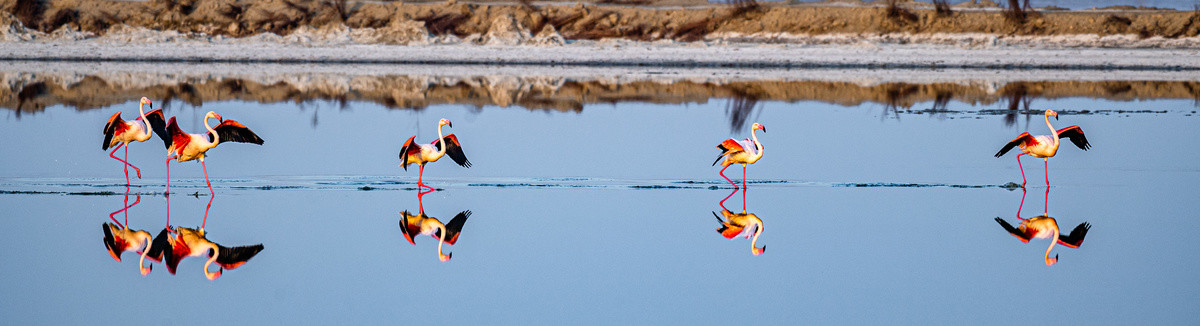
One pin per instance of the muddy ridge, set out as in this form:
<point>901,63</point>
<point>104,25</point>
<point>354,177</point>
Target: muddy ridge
<point>683,20</point>
<point>33,92</point>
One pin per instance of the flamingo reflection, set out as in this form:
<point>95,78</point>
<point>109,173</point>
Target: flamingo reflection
<point>413,225</point>
<point>735,224</point>
<point>119,238</point>
<point>1044,226</point>
<point>185,242</point>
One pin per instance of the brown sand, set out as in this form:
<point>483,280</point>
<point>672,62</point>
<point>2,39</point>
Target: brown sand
<point>675,19</point>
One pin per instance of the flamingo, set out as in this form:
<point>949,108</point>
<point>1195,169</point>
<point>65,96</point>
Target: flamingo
<point>187,242</point>
<point>412,153</point>
<point>1044,147</point>
<point>118,133</point>
<point>413,225</point>
<point>735,224</point>
<point>186,147</point>
<point>1046,227</point>
<point>119,238</point>
<point>746,151</point>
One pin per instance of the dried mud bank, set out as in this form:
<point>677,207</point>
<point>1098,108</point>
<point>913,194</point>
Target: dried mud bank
<point>971,24</point>
<point>90,86</point>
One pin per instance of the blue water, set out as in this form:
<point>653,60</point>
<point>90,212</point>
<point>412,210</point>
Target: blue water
<point>605,216</point>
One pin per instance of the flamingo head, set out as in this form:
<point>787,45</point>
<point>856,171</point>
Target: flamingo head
<point>758,126</point>
<point>445,122</point>
<point>1051,261</point>
<point>146,101</point>
<point>1051,113</point>
<point>758,251</point>
<point>444,257</point>
<point>213,275</point>
<point>145,269</point>
<point>213,115</point>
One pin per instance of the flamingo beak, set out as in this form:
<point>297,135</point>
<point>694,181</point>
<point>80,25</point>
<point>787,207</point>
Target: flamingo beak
<point>445,257</point>
<point>146,270</point>
<point>759,251</point>
<point>1052,261</point>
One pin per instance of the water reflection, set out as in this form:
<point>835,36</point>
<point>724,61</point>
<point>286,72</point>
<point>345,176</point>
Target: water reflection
<point>1042,227</point>
<point>413,225</point>
<point>181,242</point>
<point>744,223</point>
<point>119,238</point>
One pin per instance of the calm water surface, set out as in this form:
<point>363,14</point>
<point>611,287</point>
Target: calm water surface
<point>604,215</point>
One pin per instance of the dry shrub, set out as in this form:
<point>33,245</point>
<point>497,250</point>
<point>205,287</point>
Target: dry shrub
<point>563,20</point>
<point>185,7</point>
<point>1014,14</point>
<point>742,7</point>
<point>441,24</point>
<point>694,31</point>
<point>528,5</point>
<point>30,12</point>
<point>624,2</point>
<point>899,14</point>
<point>59,18</point>
<point>942,7</point>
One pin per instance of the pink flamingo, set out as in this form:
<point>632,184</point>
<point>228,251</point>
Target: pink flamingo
<point>746,152</point>
<point>119,133</point>
<point>186,147</point>
<point>412,153</point>
<point>413,225</point>
<point>1044,147</point>
<point>735,224</point>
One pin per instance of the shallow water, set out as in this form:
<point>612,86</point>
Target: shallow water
<point>873,213</point>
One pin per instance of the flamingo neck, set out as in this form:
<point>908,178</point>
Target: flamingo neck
<point>758,148</point>
<point>1053,132</point>
<point>757,231</point>
<point>1052,242</point>
<point>216,138</point>
<point>145,122</point>
<point>211,259</point>
<point>442,141</point>
<point>147,241</point>
<point>442,241</point>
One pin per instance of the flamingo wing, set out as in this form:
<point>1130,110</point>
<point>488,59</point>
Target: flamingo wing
<point>178,139</point>
<point>114,126</point>
<point>455,226</point>
<point>410,230</point>
<point>1019,233</point>
<point>729,146</point>
<point>407,150</point>
<point>115,245</point>
<point>159,246</point>
<point>230,258</point>
<point>157,123</point>
<point>1075,239</point>
<point>1075,134</point>
<point>1024,138</point>
<point>178,249</point>
<point>454,150</point>
<point>727,230</point>
<point>230,130</point>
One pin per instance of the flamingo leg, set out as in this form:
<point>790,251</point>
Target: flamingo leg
<point>210,189</point>
<point>421,201</point>
<point>167,193</point>
<point>1022,169</point>
<point>420,182</point>
<point>735,185</point>
<point>113,154</point>
<point>1046,207</point>
<point>210,199</point>
<point>1046,164</point>
<point>1021,205</point>
<point>722,203</point>
<point>744,188</point>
